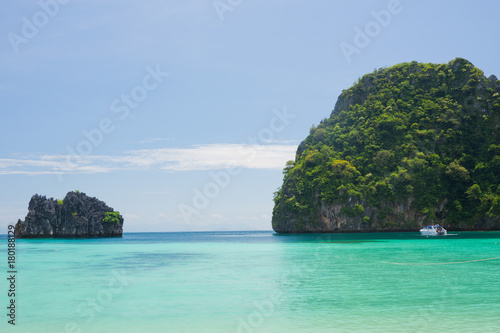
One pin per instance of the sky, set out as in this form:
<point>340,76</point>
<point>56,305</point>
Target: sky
<point>182,114</point>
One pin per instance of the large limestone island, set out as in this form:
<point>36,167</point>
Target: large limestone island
<point>77,215</point>
<point>405,146</point>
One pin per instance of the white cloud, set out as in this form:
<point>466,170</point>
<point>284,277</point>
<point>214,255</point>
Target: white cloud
<point>153,193</point>
<point>248,218</point>
<point>129,216</point>
<point>151,140</point>
<point>282,142</point>
<point>217,156</point>
<point>200,157</point>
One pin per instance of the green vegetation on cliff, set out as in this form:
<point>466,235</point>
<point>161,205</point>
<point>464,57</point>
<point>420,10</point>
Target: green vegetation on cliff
<point>111,217</point>
<point>420,133</point>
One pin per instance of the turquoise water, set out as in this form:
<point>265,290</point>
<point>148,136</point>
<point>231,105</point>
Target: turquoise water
<point>257,282</point>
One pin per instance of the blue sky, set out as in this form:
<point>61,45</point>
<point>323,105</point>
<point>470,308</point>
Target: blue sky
<point>182,114</point>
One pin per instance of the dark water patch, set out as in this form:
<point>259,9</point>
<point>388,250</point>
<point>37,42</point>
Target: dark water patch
<point>384,237</point>
<point>353,241</point>
<point>155,260</point>
<point>142,261</point>
<point>201,237</point>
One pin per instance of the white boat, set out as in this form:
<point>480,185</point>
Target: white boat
<point>433,230</point>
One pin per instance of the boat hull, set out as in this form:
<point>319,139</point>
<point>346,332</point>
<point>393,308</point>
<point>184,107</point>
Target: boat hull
<point>433,230</point>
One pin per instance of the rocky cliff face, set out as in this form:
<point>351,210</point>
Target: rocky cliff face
<point>78,215</point>
<point>390,217</point>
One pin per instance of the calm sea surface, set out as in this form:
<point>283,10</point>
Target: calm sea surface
<point>256,282</point>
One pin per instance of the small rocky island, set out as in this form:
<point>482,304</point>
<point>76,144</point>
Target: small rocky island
<point>76,216</point>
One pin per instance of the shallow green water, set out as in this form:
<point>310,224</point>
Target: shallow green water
<point>257,282</point>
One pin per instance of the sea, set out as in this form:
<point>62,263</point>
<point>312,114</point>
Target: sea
<point>256,281</point>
